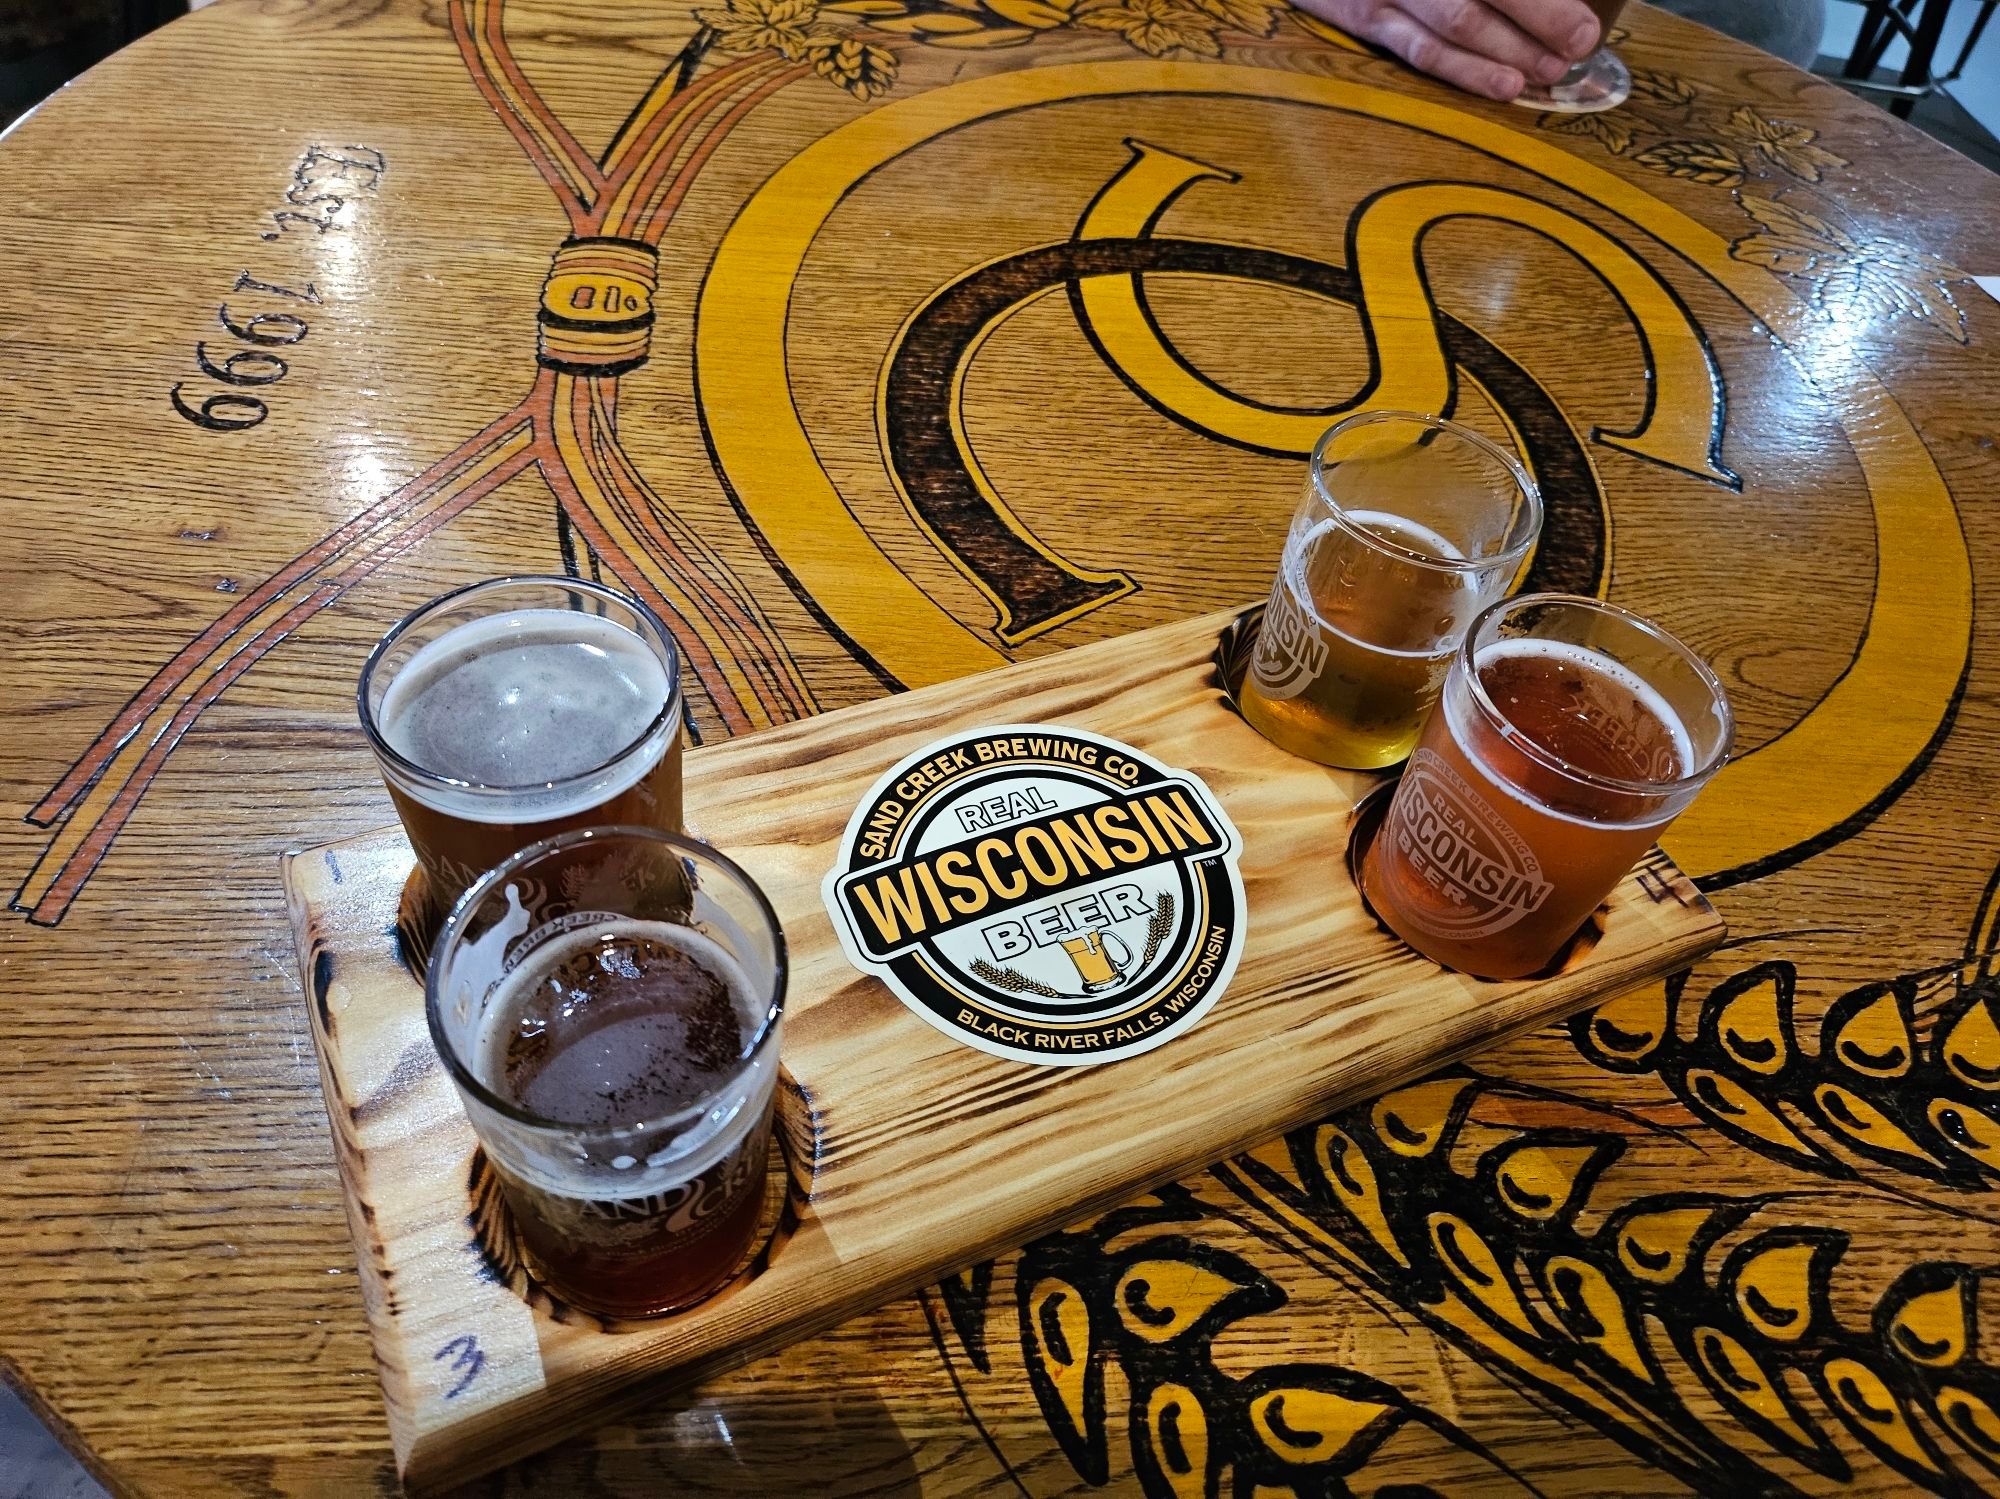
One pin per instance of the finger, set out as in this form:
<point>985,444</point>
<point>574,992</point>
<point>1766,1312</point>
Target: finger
<point>1564,26</point>
<point>1478,28</point>
<point>1427,52</point>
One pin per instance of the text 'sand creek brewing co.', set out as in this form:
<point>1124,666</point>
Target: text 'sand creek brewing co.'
<point>1042,893</point>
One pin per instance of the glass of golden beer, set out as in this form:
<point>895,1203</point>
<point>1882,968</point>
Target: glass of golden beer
<point>1410,526</point>
<point>516,708</point>
<point>1600,81</point>
<point>1570,733</point>
<point>608,1002</point>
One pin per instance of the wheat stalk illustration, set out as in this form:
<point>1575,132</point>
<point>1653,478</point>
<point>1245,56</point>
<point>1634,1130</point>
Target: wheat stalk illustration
<point>1158,928</point>
<point>1012,980</point>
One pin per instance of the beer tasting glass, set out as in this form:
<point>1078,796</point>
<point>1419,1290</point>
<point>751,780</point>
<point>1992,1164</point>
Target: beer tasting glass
<point>517,708</point>
<point>1600,81</point>
<point>608,1002</point>
<point>1570,733</point>
<point>1410,526</point>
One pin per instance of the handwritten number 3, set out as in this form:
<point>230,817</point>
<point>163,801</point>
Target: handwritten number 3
<point>466,1356</point>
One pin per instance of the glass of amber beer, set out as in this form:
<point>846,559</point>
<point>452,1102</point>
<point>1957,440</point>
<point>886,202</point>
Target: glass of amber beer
<point>1570,733</point>
<point>1410,526</point>
<point>608,1002</point>
<point>519,707</point>
<point>1600,81</point>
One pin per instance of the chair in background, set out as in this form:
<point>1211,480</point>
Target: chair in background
<point>1921,24</point>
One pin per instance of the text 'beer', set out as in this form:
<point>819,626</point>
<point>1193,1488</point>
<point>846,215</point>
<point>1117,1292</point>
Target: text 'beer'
<point>551,717</point>
<point>626,1023</point>
<point>1356,640</point>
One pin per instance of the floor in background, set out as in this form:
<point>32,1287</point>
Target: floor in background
<point>1976,94</point>
<point>1941,116</point>
<point>33,1464</point>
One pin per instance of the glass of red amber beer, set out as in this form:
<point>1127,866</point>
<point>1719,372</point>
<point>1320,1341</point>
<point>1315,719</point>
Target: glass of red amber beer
<point>1569,734</point>
<point>608,1002</point>
<point>517,708</point>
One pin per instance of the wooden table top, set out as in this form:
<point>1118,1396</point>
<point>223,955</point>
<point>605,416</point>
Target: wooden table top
<point>979,329</point>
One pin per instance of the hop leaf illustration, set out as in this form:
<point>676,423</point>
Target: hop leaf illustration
<point>1155,27</point>
<point>1790,146</point>
<point>1257,17</point>
<point>789,27</point>
<point>1852,274</point>
<point>1615,136</point>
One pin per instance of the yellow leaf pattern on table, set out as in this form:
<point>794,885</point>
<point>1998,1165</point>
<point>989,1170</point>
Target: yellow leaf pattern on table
<point>1157,28</point>
<point>1790,146</point>
<point>1345,1166</point>
<point>1972,1049</point>
<point>1472,1262</point>
<point>1304,1425</point>
<point>1033,14</point>
<point>1123,1324</point>
<point>1057,1319</point>
<point>1414,1121</point>
<point>1613,134</point>
<point>1869,1031</point>
<point>1590,1308</point>
<point>1160,1299</point>
<point>1175,1438</point>
<point>1934,1328</point>
<point>1777,1278</point>
<point>1662,88</point>
<point>787,27</point>
<point>1873,1413</point>
<point>1711,163</point>
<point>1740,1381</point>
<point>1752,1025</point>
<point>1624,1031</point>
<point>862,68</point>
<point>1853,276</point>
<point>1656,1246</point>
<point>1545,1179</point>
<point>1257,17</point>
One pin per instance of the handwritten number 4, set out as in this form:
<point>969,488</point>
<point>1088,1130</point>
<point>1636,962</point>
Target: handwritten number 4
<point>467,1360</point>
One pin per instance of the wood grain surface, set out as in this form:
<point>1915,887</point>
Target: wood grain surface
<point>983,330</point>
<point>914,1155</point>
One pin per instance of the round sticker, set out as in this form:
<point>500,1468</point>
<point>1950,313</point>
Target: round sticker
<point>1042,893</point>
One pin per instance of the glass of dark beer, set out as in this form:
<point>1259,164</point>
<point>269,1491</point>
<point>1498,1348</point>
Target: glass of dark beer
<point>1409,526</point>
<point>1600,81</point>
<point>1570,733</point>
<point>608,1002</point>
<point>517,708</point>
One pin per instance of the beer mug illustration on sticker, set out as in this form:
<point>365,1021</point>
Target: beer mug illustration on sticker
<point>1092,954</point>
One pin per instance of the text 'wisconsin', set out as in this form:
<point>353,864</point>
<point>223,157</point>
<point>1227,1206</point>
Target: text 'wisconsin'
<point>933,892</point>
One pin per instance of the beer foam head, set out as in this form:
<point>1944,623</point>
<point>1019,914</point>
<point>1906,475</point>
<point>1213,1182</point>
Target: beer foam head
<point>1411,536</point>
<point>531,700</point>
<point>647,1153</point>
<point>1381,600</point>
<point>1597,664</point>
<point>1589,663</point>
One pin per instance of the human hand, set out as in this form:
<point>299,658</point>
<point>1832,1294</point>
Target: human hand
<point>1490,47</point>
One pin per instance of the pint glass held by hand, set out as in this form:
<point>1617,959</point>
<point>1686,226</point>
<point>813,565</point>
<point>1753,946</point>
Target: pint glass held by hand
<point>517,708</point>
<point>1409,527</point>
<point>1600,81</point>
<point>608,1003</point>
<point>1570,733</point>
